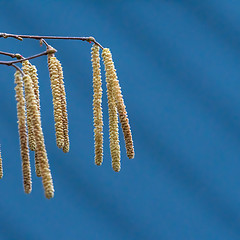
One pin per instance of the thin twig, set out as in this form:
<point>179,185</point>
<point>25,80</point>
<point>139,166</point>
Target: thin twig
<point>20,37</point>
<point>23,59</point>
<point>44,41</point>
<point>12,55</point>
<point>18,68</point>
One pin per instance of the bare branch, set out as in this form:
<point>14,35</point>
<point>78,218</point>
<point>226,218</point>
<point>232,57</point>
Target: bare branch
<point>12,55</point>
<point>18,68</point>
<point>9,63</point>
<point>20,37</point>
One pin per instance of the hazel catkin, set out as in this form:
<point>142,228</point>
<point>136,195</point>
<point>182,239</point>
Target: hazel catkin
<point>97,108</point>
<point>34,76</point>
<point>111,71</point>
<point>64,108</point>
<point>21,115</point>
<point>40,145</point>
<point>113,117</point>
<point>31,138</point>
<point>57,100</point>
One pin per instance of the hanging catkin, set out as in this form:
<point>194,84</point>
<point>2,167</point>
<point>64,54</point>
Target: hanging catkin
<point>97,108</point>
<point>1,166</point>
<point>64,108</point>
<point>112,110</point>
<point>31,137</point>
<point>57,100</point>
<point>34,76</point>
<point>21,115</point>
<point>40,145</point>
<point>119,103</point>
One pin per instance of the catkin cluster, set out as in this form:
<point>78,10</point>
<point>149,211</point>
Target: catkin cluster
<point>29,117</point>
<point>116,107</point>
<point>29,121</point>
<point>111,76</point>
<point>39,138</point>
<point>30,129</point>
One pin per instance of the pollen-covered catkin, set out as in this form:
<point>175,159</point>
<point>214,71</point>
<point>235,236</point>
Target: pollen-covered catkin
<point>40,145</point>
<point>34,76</point>
<point>113,117</point>
<point>31,138</point>
<point>64,108</point>
<point>21,115</point>
<point>97,108</point>
<point>57,100</point>
<point>1,167</point>
<point>111,71</point>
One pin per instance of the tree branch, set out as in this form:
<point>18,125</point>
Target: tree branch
<point>49,50</point>
<point>18,68</point>
<point>36,37</point>
<point>12,55</point>
<point>9,63</point>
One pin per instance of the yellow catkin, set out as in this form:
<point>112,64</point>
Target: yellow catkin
<point>64,108</point>
<point>120,104</point>
<point>21,115</point>
<point>40,145</point>
<point>97,108</point>
<point>1,166</point>
<point>31,138</point>
<point>57,100</point>
<point>34,76</point>
<point>113,117</point>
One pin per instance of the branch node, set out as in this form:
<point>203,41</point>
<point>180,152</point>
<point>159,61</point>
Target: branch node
<point>4,35</point>
<point>18,56</point>
<point>91,39</point>
<point>19,38</point>
<point>50,49</point>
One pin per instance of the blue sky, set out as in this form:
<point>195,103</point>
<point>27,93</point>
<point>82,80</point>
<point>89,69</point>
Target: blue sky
<point>178,66</point>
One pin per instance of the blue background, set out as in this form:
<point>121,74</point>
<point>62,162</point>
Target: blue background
<point>178,65</point>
